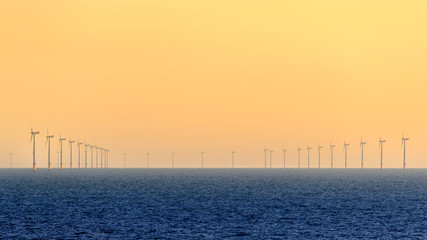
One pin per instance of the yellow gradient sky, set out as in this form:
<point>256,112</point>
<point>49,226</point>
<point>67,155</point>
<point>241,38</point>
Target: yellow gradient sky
<point>185,76</point>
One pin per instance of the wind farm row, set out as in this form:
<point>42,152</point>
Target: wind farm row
<point>103,152</point>
<point>268,152</point>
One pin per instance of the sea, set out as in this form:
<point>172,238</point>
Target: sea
<point>213,204</point>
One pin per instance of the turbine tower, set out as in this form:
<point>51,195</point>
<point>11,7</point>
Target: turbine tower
<point>96,165</point>
<point>48,137</point>
<point>78,146</point>
<point>232,158</point>
<point>33,138</point>
<point>60,143</point>
<point>106,157</point>
<point>361,145</point>
<point>404,151</point>
<point>381,141</point>
<point>86,145</point>
<point>299,156</point>
<point>101,150</point>
<point>91,155</point>
<point>265,157</point>
<point>284,157</point>
<point>203,154</point>
<point>331,147</point>
<point>318,150</point>
<point>345,152</point>
<point>173,160</point>
<point>308,156</point>
<point>71,153</point>
<point>271,157</point>
<point>148,160</point>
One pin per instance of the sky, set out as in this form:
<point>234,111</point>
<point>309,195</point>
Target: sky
<point>214,76</point>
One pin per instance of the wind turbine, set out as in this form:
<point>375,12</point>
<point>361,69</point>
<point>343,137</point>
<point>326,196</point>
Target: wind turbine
<point>33,138</point>
<point>86,145</point>
<point>361,145</point>
<point>124,160</point>
<point>404,151</point>
<point>48,137</point>
<point>299,156</point>
<point>308,156</point>
<point>173,160</point>
<point>345,151</point>
<point>232,158</point>
<point>100,153</point>
<point>78,146</point>
<point>380,145</point>
<point>60,143</point>
<point>106,157</point>
<point>203,154</point>
<point>331,147</point>
<point>91,155</point>
<point>284,157</point>
<point>318,150</point>
<point>96,165</point>
<point>271,157</point>
<point>265,157</point>
<point>71,153</point>
<point>148,160</point>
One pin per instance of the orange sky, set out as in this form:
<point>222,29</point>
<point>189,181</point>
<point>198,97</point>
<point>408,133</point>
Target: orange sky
<point>185,76</point>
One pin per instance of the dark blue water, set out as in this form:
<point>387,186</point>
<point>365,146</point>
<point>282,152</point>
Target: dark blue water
<point>213,204</point>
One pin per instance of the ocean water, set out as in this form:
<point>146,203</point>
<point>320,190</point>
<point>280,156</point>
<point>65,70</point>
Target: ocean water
<point>213,204</point>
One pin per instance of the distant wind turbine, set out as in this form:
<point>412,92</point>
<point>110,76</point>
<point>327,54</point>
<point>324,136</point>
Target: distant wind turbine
<point>284,157</point>
<point>380,145</point>
<point>345,152</point>
<point>318,150</point>
<point>299,156</point>
<point>71,153</point>
<point>96,148</point>
<point>101,151</point>
<point>91,155</point>
<point>106,157</point>
<point>86,145</point>
<point>60,143</point>
<point>404,151</point>
<point>331,147</point>
<point>308,156</point>
<point>271,158</point>
<point>78,146</point>
<point>361,145</point>
<point>33,138</point>
<point>48,137</point>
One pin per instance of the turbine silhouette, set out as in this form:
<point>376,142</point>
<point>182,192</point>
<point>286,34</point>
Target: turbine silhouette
<point>48,137</point>
<point>404,150</point>
<point>71,153</point>
<point>299,156</point>
<point>60,143</point>
<point>345,152</point>
<point>308,156</point>
<point>33,139</point>
<point>331,147</point>
<point>361,145</point>
<point>78,146</point>
<point>318,149</point>
<point>284,157</point>
<point>380,145</point>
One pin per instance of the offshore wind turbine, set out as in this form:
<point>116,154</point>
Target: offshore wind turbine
<point>48,137</point>
<point>308,156</point>
<point>271,158</point>
<point>71,153</point>
<point>284,157</point>
<point>60,143</point>
<point>148,160</point>
<point>345,152</point>
<point>265,157</point>
<point>331,147</point>
<point>203,154</point>
<point>404,151</point>
<point>106,158</point>
<point>91,155</point>
<point>318,150</point>
<point>361,145</point>
<point>33,138</point>
<point>232,158</point>
<point>78,146</point>
<point>102,155</point>
<point>380,145</point>
<point>96,165</point>
<point>299,156</point>
<point>86,145</point>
